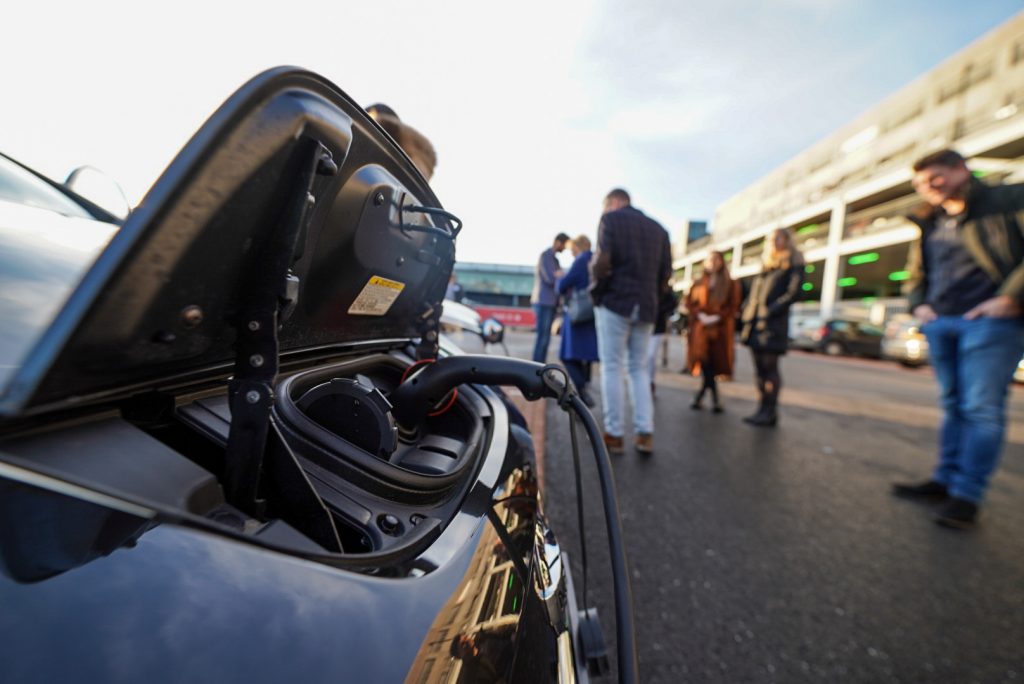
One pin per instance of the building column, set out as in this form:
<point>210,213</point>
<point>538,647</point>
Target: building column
<point>830,275</point>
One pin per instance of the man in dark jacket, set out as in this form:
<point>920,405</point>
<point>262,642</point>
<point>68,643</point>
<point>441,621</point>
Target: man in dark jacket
<point>544,298</point>
<point>966,287</point>
<point>628,274</point>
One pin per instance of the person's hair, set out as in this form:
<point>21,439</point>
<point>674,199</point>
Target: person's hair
<point>582,241</point>
<point>947,157</point>
<point>723,281</point>
<point>781,258</point>
<point>561,237</point>
<point>618,194</point>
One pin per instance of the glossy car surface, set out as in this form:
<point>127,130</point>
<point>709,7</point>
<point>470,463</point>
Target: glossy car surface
<point>842,337</point>
<point>904,342</point>
<point>202,477</point>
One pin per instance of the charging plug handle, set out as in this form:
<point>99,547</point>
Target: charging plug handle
<point>416,397</point>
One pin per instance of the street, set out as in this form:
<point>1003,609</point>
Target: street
<point>780,556</point>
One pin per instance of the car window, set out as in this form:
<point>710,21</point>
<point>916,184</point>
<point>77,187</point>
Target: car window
<point>42,258</point>
<point>22,187</point>
<point>868,329</point>
<point>840,326</point>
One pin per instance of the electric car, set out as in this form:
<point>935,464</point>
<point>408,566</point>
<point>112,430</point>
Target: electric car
<point>233,449</point>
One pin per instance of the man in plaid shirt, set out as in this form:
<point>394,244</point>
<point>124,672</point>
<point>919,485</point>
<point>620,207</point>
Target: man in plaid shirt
<point>629,272</point>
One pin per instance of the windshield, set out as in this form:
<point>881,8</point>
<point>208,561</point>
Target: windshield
<point>42,258</point>
<point>22,187</point>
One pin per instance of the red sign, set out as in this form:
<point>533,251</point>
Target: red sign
<point>509,315</point>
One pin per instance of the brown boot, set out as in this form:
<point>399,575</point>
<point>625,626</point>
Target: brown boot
<point>613,444</point>
<point>645,443</point>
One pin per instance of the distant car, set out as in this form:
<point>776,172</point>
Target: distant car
<point>803,332</point>
<point>1018,375</point>
<point>468,330</point>
<point>904,342</point>
<point>843,337</point>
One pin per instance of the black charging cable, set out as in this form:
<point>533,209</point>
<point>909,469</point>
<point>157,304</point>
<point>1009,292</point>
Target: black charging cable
<point>413,399</point>
<point>570,402</point>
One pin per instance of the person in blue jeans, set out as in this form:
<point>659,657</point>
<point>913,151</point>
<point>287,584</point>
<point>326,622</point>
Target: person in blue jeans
<point>967,289</point>
<point>544,298</point>
<point>628,274</point>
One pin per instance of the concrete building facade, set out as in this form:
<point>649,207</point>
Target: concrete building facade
<point>846,197</point>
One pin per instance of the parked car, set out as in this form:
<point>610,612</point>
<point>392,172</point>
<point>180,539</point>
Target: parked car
<point>22,190</point>
<point>904,342</point>
<point>803,332</point>
<point>843,337</point>
<point>468,331</point>
<point>232,448</point>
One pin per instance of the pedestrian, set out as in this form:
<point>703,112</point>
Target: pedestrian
<point>966,289</point>
<point>765,319</point>
<point>544,298</point>
<point>710,344</point>
<point>579,337</point>
<point>415,145</point>
<point>454,291</point>
<point>666,305</point>
<point>628,273</point>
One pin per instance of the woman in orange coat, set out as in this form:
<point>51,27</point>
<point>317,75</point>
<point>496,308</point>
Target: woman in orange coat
<point>712,305</point>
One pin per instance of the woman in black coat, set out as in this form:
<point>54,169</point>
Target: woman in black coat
<point>765,319</point>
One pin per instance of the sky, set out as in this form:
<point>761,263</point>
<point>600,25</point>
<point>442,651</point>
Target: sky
<point>536,109</point>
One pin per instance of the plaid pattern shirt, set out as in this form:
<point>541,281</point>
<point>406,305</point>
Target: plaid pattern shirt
<point>631,265</point>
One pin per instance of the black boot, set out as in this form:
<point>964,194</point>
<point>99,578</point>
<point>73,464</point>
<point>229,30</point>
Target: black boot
<point>717,405</point>
<point>766,417</point>
<point>929,490</point>
<point>696,404</point>
<point>959,514</point>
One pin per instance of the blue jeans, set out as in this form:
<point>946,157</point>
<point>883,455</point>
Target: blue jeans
<point>974,363</point>
<point>545,317</point>
<point>623,344</point>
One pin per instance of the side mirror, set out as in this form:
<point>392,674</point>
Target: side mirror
<point>100,189</point>
<point>493,331</point>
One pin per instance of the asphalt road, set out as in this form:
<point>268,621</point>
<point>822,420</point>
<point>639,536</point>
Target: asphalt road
<point>779,555</point>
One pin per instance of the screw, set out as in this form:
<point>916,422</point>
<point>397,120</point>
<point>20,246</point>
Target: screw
<point>399,261</point>
<point>431,335</point>
<point>389,523</point>
<point>254,325</point>
<point>416,519</point>
<point>191,316</point>
<point>256,360</point>
<point>378,199</point>
<point>252,396</point>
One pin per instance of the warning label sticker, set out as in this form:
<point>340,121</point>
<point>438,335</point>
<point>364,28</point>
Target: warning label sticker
<point>377,297</point>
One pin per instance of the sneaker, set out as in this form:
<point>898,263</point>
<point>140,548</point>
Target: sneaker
<point>959,514</point>
<point>613,444</point>
<point>645,443</point>
<point>924,490</point>
<point>718,408</point>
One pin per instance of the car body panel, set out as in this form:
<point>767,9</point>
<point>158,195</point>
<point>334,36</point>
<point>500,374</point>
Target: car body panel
<point>221,610</point>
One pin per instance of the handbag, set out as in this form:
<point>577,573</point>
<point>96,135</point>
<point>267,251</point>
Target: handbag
<point>579,307</point>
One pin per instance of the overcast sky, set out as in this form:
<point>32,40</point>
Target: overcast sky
<point>536,109</point>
